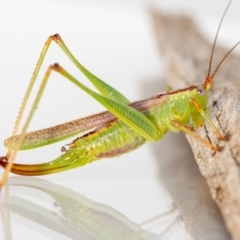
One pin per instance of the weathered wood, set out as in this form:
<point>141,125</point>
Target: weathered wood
<point>185,55</point>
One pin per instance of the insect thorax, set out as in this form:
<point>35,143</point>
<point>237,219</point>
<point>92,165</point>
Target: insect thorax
<point>178,108</point>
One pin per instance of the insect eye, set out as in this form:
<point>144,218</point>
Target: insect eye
<point>201,91</point>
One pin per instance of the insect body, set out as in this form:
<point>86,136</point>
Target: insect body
<point>168,111</point>
<point>123,128</point>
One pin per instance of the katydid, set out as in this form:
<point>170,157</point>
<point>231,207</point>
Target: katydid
<point>123,128</point>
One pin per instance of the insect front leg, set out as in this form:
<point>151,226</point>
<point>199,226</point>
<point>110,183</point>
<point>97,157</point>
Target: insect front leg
<point>204,115</point>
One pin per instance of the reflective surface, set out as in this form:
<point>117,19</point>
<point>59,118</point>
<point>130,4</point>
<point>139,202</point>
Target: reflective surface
<point>50,206</point>
<point>125,195</point>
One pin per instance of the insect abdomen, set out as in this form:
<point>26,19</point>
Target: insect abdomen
<point>110,141</point>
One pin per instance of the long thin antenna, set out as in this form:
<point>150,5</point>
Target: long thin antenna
<point>218,66</point>
<point>215,40</point>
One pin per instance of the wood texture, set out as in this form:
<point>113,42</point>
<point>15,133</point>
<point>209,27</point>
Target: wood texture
<point>185,54</point>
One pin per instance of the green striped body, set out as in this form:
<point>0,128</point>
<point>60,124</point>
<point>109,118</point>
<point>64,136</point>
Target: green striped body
<point>117,138</point>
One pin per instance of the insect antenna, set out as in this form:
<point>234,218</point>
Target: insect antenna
<point>208,82</point>
<point>224,59</point>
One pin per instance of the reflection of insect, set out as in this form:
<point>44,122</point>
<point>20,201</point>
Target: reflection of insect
<point>73,215</point>
<point>125,127</point>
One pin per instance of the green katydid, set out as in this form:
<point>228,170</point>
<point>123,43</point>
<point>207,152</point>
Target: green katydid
<point>123,128</point>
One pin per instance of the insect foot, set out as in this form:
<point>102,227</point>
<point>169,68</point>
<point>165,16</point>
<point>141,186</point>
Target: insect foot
<point>226,137</point>
<point>220,149</point>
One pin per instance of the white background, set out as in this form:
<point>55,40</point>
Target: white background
<point>115,41</point>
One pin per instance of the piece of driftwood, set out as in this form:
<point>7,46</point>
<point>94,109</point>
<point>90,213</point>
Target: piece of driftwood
<point>185,55</point>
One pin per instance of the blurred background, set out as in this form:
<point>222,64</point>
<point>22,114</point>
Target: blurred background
<point>115,40</point>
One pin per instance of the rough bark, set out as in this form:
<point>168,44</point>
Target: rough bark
<point>185,55</point>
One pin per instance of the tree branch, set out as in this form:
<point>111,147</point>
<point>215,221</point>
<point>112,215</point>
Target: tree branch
<point>185,55</point>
